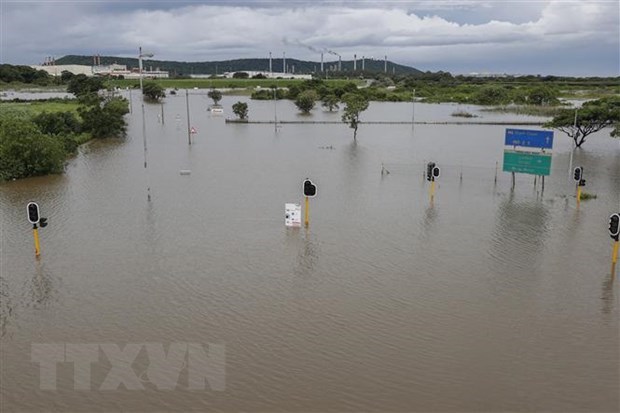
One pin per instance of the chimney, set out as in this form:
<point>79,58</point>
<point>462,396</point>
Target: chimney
<point>354,62</point>
<point>321,61</point>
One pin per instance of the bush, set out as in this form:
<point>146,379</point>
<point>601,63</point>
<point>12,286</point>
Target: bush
<point>105,120</point>
<point>57,123</point>
<point>240,75</point>
<point>305,100</point>
<point>25,151</point>
<point>152,92</point>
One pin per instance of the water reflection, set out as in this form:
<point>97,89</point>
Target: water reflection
<point>6,307</point>
<point>519,236</point>
<point>607,293</point>
<point>308,255</point>
<point>41,287</point>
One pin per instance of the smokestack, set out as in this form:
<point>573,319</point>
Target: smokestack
<point>339,63</point>
<point>385,67</point>
<point>270,67</point>
<point>284,62</point>
<point>99,59</point>
<point>363,63</point>
<point>354,62</point>
<point>94,60</point>
<point>321,61</point>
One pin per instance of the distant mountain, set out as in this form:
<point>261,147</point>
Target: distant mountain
<point>187,68</point>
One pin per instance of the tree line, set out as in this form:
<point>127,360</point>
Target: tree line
<point>32,145</point>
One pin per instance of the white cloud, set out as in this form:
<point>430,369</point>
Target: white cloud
<point>211,32</point>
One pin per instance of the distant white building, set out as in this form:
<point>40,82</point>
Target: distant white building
<point>56,70</point>
<point>252,73</point>
<point>102,70</point>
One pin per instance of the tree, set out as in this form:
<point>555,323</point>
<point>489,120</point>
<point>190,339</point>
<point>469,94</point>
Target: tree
<point>216,95</point>
<point>240,75</point>
<point>590,118</point>
<point>241,110</point>
<point>331,102</point>
<point>57,123</point>
<point>153,92</point>
<point>25,151</point>
<point>105,119</point>
<point>491,95</point>
<point>81,85</point>
<point>354,105</point>
<point>305,100</point>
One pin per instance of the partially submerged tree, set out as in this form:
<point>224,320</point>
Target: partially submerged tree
<point>153,92</point>
<point>305,100</point>
<point>330,102</point>
<point>241,110</point>
<point>215,95</point>
<point>590,118</point>
<point>354,105</point>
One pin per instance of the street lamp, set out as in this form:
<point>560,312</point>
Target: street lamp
<point>140,56</point>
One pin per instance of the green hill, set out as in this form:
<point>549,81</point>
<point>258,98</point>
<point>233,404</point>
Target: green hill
<point>187,68</point>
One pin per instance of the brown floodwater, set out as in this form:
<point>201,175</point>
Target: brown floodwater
<point>488,299</point>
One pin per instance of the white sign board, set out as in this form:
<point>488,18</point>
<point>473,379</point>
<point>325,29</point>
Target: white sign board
<point>292,215</point>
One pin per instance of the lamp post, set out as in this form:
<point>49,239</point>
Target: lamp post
<point>140,56</point>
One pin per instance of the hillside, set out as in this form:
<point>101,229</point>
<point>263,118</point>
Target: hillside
<point>187,68</point>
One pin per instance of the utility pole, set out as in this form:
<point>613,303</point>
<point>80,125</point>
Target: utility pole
<point>189,130</point>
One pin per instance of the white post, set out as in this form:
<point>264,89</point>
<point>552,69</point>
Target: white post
<point>140,66</point>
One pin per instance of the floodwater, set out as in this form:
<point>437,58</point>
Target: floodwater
<point>487,299</point>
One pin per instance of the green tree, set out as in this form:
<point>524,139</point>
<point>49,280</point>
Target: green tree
<point>105,119</point>
<point>57,123</point>
<point>81,85</point>
<point>590,118</point>
<point>215,95</point>
<point>25,151</point>
<point>153,92</point>
<point>240,75</point>
<point>330,102</point>
<point>305,100</point>
<point>355,104</point>
<point>241,110</point>
<point>491,95</point>
<point>542,95</point>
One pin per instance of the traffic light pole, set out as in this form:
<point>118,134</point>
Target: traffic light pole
<point>37,245</point>
<point>432,189</point>
<point>578,195</point>
<point>307,212</point>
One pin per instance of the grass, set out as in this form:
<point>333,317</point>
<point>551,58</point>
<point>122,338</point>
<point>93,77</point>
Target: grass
<point>31,87</point>
<point>463,114</point>
<point>223,83</point>
<point>36,107</point>
<point>529,110</point>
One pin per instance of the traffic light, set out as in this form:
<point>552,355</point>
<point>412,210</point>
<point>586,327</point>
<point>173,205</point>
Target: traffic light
<point>309,189</point>
<point>33,212</point>
<point>436,172</point>
<point>614,226</point>
<point>43,222</point>
<point>578,174</point>
<point>429,171</point>
<point>582,182</point>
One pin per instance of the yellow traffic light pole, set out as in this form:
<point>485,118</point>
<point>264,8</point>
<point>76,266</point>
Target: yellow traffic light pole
<point>432,191</point>
<point>307,212</point>
<point>578,195</point>
<point>37,245</point>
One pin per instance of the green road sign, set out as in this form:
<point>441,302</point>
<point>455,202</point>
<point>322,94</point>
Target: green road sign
<point>527,162</point>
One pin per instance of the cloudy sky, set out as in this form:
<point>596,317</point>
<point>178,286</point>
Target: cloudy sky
<point>577,38</point>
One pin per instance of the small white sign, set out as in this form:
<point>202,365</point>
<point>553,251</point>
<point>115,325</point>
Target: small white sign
<point>292,215</point>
